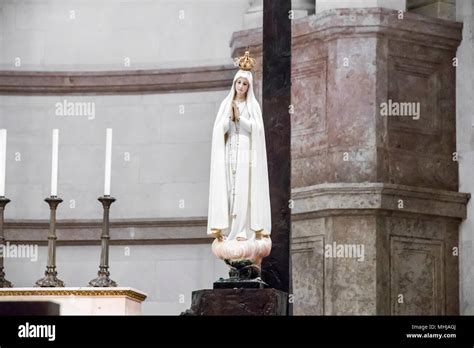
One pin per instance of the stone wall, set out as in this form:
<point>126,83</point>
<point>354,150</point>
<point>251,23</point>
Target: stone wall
<point>160,159</point>
<point>101,35</point>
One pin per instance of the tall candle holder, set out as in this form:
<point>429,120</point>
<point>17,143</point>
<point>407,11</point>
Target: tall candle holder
<point>51,280</point>
<point>3,282</point>
<point>103,279</point>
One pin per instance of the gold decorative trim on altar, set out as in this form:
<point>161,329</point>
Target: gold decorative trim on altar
<point>56,292</point>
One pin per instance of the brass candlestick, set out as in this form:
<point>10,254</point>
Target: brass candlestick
<point>3,282</point>
<point>50,280</point>
<point>103,279</point>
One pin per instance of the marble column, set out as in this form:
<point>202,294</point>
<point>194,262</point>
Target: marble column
<point>445,9</point>
<point>254,16</point>
<point>376,207</point>
<point>465,143</point>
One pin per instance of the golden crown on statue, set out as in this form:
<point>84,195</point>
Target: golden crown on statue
<point>245,62</point>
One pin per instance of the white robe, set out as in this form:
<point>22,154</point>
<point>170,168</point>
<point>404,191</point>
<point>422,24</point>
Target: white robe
<point>239,160</point>
<point>252,200</point>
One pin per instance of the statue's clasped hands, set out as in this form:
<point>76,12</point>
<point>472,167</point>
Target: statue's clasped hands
<point>235,112</point>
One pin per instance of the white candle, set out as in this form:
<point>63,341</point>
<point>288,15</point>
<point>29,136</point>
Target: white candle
<point>108,161</point>
<point>3,157</point>
<point>54,163</point>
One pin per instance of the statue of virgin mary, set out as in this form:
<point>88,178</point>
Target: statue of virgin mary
<point>239,215</point>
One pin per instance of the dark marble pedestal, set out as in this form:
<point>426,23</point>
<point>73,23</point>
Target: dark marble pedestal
<point>238,302</point>
<point>29,308</point>
<point>239,283</point>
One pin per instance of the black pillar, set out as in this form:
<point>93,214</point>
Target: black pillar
<point>276,99</point>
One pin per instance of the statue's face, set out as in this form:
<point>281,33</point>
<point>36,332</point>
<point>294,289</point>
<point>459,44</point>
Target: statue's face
<point>242,86</point>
